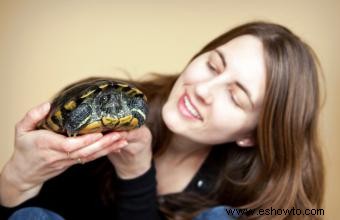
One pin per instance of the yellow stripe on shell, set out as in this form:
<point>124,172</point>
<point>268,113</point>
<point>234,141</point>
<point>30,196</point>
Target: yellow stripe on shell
<point>94,126</point>
<point>53,126</point>
<point>70,105</point>
<point>134,123</point>
<point>58,115</point>
<point>124,121</point>
<point>134,92</point>
<point>109,121</point>
<point>122,85</point>
<point>87,94</point>
<point>103,86</point>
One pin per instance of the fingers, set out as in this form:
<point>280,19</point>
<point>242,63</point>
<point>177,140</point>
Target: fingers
<point>139,134</point>
<point>81,151</point>
<point>116,147</point>
<point>70,144</point>
<point>32,118</point>
<point>69,149</point>
<point>91,149</point>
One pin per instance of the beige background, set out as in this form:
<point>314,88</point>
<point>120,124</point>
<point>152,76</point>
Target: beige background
<point>45,45</point>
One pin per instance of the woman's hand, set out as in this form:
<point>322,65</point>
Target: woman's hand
<point>134,159</point>
<point>41,154</point>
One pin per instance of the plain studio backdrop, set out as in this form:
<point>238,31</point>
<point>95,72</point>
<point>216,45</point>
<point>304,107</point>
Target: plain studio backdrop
<point>45,45</point>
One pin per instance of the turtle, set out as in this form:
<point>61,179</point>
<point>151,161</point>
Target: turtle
<point>96,105</point>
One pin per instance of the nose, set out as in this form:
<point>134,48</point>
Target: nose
<point>207,90</point>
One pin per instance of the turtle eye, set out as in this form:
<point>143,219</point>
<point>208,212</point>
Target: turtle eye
<point>107,104</point>
<point>104,99</point>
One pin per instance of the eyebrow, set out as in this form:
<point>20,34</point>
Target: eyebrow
<point>242,87</point>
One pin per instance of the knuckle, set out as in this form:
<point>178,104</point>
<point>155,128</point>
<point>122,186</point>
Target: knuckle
<point>76,142</point>
<point>81,154</point>
<point>43,143</point>
<point>65,147</point>
<point>86,140</point>
<point>85,154</point>
<point>68,143</point>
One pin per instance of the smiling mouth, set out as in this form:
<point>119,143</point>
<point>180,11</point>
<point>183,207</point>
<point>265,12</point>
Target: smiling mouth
<point>188,109</point>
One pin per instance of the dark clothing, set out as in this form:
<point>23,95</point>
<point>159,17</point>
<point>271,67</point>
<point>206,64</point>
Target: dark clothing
<point>78,192</point>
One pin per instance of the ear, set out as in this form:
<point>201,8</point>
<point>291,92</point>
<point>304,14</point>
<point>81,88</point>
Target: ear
<point>246,142</point>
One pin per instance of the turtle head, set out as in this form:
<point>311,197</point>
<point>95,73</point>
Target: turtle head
<point>109,103</point>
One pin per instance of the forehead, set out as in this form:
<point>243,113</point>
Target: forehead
<point>245,61</point>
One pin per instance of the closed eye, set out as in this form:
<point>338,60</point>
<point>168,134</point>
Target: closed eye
<point>233,99</point>
<point>216,62</point>
<point>241,98</point>
<point>211,67</point>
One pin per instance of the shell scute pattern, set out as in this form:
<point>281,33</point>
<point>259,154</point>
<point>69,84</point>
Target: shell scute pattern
<point>96,105</point>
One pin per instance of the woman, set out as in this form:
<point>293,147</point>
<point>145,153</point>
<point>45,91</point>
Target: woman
<point>237,127</point>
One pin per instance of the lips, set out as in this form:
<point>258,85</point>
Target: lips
<point>187,108</point>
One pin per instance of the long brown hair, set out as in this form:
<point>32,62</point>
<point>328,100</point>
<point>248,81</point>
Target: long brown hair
<point>285,169</point>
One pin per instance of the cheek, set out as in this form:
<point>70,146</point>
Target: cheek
<point>223,118</point>
<point>176,91</point>
<point>189,76</point>
<point>194,73</point>
<point>228,122</point>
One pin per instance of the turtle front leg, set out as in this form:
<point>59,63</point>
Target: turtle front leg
<point>78,118</point>
<point>139,111</point>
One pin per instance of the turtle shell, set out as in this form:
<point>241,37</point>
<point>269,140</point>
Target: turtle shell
<point>96,105</point>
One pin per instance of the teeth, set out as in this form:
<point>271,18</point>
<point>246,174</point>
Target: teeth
<point>191,109</point>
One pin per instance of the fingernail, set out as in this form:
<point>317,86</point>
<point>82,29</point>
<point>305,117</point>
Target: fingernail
<point>45,106</point>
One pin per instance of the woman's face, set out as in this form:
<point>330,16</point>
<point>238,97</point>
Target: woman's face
<point>219,95</point>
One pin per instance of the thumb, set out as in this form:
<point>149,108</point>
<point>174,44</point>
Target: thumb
<point>32,118</point>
